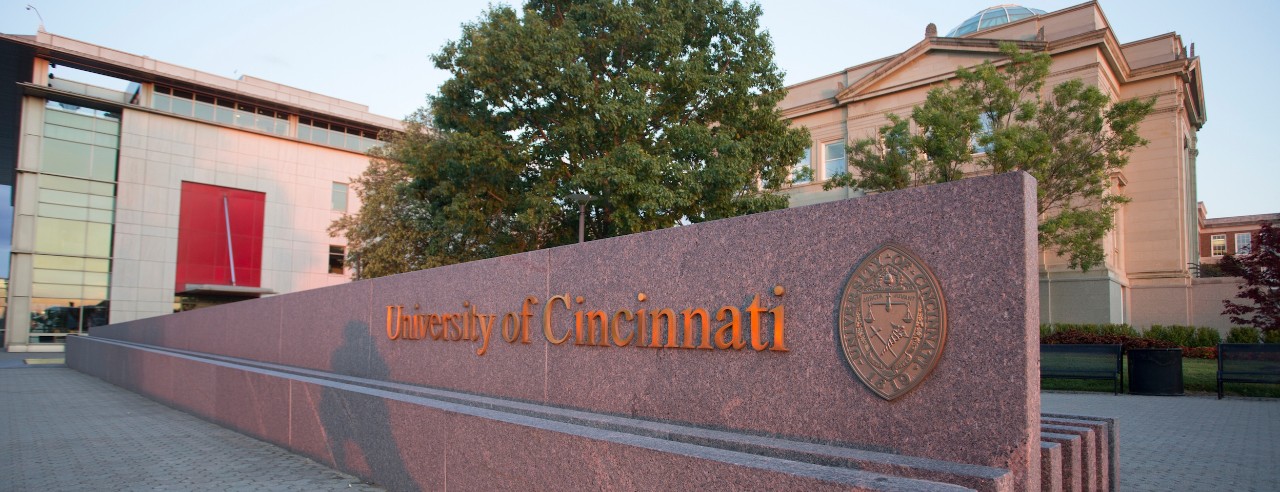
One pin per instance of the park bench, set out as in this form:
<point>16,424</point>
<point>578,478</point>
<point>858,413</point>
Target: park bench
<point>1082,361</point>
<point>1248,363</point>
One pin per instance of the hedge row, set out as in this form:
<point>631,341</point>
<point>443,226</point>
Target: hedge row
<point>1185,336</point>
<point>1128,341</point>
<point>1249,334</point>
<point>1196,342</point>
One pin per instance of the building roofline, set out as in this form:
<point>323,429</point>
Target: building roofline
<point>1242,220</point>
<point>144,69</point>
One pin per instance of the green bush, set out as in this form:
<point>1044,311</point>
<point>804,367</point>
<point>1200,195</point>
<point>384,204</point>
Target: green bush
<point>1244,334</point>
<point>1185,336</point>
<point>1272,336</point>
<point>1128,341</point>
<point>1207,337</point>
<point>1089,328</point>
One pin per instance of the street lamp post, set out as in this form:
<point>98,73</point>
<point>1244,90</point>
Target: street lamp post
<point>581,199</point>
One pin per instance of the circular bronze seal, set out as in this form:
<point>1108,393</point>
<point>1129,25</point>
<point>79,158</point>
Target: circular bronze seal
<point>893,321</point>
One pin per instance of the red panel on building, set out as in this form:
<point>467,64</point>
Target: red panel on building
<point>204,254</point>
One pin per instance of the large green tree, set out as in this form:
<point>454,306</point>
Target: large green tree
<point>994,119</point>
<point>389,235</point>
<point>665,111</point>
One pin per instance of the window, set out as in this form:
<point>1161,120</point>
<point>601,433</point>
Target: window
<point>220,110</point>
<point>335,135</point>
<point>978,148</point>
<point>835,163</point>
<point>1243,242</point>
<point>1218,244</point>
<point>339,197</point>
<point>336,256</point>
<point>801,172</point>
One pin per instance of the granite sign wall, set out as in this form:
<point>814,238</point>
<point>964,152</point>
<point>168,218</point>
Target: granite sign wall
<point>883,342</point>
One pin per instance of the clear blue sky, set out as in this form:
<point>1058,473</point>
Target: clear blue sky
<point>376,52</point>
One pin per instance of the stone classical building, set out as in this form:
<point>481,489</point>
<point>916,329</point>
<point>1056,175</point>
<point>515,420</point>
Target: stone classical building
<point>1148,273</point>
<point>185,189</point>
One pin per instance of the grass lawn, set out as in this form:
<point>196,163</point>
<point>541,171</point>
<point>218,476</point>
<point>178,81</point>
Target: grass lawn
<point>1198,376</point>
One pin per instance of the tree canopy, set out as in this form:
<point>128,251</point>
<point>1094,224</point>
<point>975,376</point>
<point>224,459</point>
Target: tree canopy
<point>994,119</point>
<point>388,235</point>
<point>1260,268</point>
<point>664,111</point>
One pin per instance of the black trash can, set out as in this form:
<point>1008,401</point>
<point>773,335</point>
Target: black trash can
<point>1155,371</point>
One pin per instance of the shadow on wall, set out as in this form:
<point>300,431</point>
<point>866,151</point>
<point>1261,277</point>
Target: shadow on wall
<point>357,426</point>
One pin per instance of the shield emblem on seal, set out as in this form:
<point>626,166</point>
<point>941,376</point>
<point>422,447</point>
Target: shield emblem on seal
<point>892,323</point>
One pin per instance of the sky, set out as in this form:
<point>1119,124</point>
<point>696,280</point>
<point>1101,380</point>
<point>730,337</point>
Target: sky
<point>377,52</point>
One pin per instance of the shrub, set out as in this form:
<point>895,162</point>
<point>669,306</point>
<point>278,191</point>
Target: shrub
<point>1200,352</point>
<point>1128,341</point>
<point>1206,337</point>
<point>1271,336</point>
<point>1185,336</point>
<point>1096,329</point>
<point>1244,334</point>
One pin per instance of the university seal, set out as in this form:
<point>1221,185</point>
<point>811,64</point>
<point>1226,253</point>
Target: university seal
<point>893,321</point>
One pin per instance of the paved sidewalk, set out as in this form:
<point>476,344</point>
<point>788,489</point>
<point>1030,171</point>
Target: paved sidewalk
<point>1187,442</point>
<point>61,430</point>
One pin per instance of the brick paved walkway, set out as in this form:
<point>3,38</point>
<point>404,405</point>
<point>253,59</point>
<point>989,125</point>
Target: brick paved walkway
<point>1187,442</point>
<point>64,431</point>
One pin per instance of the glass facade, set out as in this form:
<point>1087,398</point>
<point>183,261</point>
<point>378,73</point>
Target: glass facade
<point>75,209</point>
<point>235,113</point>
<point>992,17</point>
<point>335,135</point>
<point>220,110</point>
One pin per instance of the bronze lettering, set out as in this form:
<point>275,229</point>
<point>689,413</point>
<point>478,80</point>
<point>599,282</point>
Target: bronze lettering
<point>779,330</point>
<point>733,329</point>
<point>546,320</point>
<point>526,318</point>
<point>671,328</point>
<point>486,331</point>
<point>600,320</point>
<point>755,310</point>
<point>510,328</point>
<point>393,320</point>
<point>614,331</point>
<point>688,328</point>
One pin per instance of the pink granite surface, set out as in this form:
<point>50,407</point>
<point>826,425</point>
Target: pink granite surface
<point>1106,458</point>
<point>979,406</point>
<point>1050,467</point>
<point>1089,453</point>
<point>1072,459</point>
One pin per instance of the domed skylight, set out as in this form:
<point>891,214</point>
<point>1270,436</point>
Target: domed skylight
<point>991,17</point>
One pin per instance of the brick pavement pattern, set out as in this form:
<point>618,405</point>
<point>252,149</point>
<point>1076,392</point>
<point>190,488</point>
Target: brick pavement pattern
<point>1187,442</point>
<point>65,431</point>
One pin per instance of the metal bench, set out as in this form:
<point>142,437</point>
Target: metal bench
<point>1248,363</point>
<point>1083,361</point>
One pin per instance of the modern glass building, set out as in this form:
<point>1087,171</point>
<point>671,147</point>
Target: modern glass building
<point>175,189</point>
